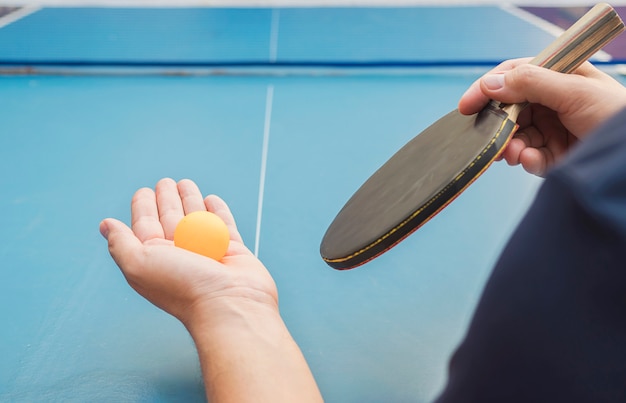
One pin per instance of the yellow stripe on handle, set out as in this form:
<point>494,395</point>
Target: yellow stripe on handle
<point>588,35</point>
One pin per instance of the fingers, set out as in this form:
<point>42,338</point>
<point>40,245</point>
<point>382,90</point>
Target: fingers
<point>516,81</point>
<point>589,70</point>
<point>474,99</point>
<point>155,214</point>
<point>536,160</point>
<point>190,196</point>
<point>145,216</point>
<point>170,206</point>
<point>216,205</point>
<point>533,160</point>
<point>533,84</point>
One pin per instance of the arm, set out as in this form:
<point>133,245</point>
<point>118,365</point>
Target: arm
<point>563,108</point>
<point>229,307</point>
<point>549,324</point>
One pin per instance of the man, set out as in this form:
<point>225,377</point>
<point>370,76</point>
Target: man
<point>551,325</point>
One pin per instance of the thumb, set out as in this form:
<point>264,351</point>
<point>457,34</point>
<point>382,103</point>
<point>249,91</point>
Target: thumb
<point>123,244</point>
<point>534,84</point>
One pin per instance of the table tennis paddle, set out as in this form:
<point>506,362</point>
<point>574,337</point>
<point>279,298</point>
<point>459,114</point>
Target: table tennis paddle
<point>425,175</point>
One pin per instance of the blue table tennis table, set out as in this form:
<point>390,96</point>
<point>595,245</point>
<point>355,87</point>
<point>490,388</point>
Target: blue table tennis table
<point>283,112</point>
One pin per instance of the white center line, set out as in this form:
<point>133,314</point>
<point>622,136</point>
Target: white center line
<point>266,140</point>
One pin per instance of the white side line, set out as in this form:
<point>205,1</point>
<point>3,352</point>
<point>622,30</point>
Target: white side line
<point>266,140</point>
<point>18,15</point>
<point>274,35</point>
<point>545,26</point>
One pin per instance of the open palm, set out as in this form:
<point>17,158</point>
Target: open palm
<point>180,282</point>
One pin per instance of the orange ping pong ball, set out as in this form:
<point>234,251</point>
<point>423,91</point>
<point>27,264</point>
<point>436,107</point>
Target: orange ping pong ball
<point>204,233</point>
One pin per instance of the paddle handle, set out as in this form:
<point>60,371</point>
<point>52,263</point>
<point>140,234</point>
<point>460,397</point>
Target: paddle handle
<point>588,35</point>
<point>573,47</point>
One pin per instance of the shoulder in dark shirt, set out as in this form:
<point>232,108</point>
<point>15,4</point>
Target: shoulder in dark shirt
<point>551,323</point>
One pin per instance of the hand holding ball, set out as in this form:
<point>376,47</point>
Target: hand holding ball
<point>204,233</point>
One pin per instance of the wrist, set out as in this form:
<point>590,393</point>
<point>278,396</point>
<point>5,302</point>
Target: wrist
<point>248,355</point>
<point>226,312</point>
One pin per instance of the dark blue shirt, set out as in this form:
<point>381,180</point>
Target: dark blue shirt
<point>551,323</point>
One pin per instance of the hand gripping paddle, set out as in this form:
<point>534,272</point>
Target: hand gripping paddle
<point>431,170</point>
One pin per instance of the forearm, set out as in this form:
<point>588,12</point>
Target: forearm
<point>248,355</point>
